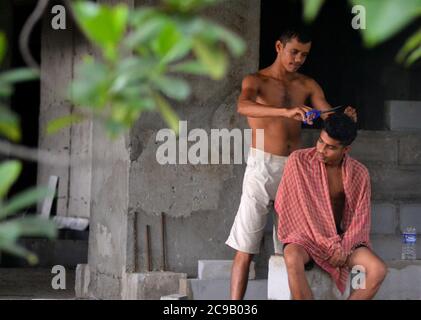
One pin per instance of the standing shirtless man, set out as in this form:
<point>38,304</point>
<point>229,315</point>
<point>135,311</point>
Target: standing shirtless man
<point>272,99</point>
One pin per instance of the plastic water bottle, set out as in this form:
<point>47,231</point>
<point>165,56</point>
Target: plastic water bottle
<point>409,239</point>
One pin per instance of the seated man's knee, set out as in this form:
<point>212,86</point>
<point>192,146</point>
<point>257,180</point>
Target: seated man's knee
<point>377,273</point>
<point>380,271</point>
<point>294,255</point>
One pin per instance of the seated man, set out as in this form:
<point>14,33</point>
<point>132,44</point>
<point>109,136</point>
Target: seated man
<point>323,206</point>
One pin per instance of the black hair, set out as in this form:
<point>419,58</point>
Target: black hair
<point>340,127</point>
<point>301,34</point>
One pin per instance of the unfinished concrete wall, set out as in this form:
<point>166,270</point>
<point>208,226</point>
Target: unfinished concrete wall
<point>200,201</point>
<point>108,237</point>
<point>61,51</point>
<point>56,72</point>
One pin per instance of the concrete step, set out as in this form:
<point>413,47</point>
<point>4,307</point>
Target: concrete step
<point>196,289</point>
<point>219,270</point>
<point>403,281</point>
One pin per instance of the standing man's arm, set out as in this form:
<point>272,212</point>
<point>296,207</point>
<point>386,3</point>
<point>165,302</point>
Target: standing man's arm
<point>318,100</point>
<point>247,105</point>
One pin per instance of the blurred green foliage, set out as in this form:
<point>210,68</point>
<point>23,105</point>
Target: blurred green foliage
<point>143,52</point>
<point>384,19</point>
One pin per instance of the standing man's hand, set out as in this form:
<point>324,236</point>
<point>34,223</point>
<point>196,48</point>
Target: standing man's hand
<point>351,112</point>
<point>299,114</point>
<point>338,258</point>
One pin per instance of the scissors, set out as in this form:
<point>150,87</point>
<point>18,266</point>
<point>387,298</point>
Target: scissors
<point>318,113</point>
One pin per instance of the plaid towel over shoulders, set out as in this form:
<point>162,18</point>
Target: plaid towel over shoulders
<point>305,214</point>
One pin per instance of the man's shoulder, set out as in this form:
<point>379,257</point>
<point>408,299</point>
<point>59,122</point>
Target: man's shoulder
<point>302,154</point>
<point>358,167</point>
<point>253,78</point>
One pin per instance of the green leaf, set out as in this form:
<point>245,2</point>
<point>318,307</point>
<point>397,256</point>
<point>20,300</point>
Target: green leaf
<point>27,226</point>
<point>18,251</point>
<point>5,89</point>
<point>3,46</point>
<point>191,67</point>
<point>167,113</point>
<point>9,124</point>
<point>172,87</point>
<point>386,18</point>
<point>9,172</point>
<point>414,56</point>
<point>103,25</point>
<point>218,33</point>
<point>411,44</point>
<point>19,75</point>
<point>92,84</point>
<point>189,5</point>
<point>143,33</point>
<point>311,9</point>
<point>214,59</point>
<point>62,122</point>
<point>24,200</point>
<point>170,44</point>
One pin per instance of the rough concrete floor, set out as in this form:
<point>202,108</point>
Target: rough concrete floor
<point>33,283</point>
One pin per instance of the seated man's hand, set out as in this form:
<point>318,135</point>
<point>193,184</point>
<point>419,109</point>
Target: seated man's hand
<point>338,258</point>
<point>351,112</point>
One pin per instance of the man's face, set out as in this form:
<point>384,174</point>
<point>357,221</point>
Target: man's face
<point>330,151</point>
<point>293,54</point>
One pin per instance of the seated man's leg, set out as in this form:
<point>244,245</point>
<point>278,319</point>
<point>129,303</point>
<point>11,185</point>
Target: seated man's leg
<point>296,258</point>
<point>375,272</point>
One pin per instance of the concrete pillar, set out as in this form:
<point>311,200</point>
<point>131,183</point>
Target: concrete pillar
<point>56,73</point>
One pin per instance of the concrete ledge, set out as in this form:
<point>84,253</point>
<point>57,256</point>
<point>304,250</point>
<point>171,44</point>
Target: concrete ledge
<point>150,285</point>
<point>219,270</point>
<point>403,281</point>
<point>175,296</point>
<point>197,289</point>
<point>320,282</point>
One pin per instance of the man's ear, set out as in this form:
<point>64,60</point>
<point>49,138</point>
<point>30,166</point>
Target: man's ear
<point>347,149</point>
<point>278,46</point>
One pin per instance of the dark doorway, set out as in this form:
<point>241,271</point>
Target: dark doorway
<point>348,73</point>
<point>25,101</point>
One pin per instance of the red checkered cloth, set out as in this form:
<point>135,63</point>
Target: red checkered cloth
<point>305,213</point>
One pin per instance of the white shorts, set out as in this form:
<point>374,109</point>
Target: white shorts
<point>261,180</point>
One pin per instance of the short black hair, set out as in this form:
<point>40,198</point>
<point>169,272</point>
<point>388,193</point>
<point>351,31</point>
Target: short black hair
<point>303,35</point>
<point>340,127</point>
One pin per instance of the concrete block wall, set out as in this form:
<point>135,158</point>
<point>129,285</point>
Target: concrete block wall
<point>394,161</point>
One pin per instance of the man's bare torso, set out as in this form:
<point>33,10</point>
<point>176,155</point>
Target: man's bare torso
<point>281,135</point>
<point>336,193</point>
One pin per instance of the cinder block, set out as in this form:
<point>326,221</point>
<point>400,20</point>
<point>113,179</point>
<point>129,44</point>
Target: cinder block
<point>151,285</point>
<point>375,146</point>
<point>403,115</point>
<point>384,218</point>
<point>410,215</point>
<point>219,269</point>
<point>395,183</point>
<point>410,149</point>
<point>320,282</point>
<point>387,247</point>
<point>197,289</point>
<point>403,281</point>
<point>82,281</point>
<point>175,296</point>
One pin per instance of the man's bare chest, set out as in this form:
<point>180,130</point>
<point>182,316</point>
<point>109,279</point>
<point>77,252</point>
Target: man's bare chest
<point>283,94</point>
